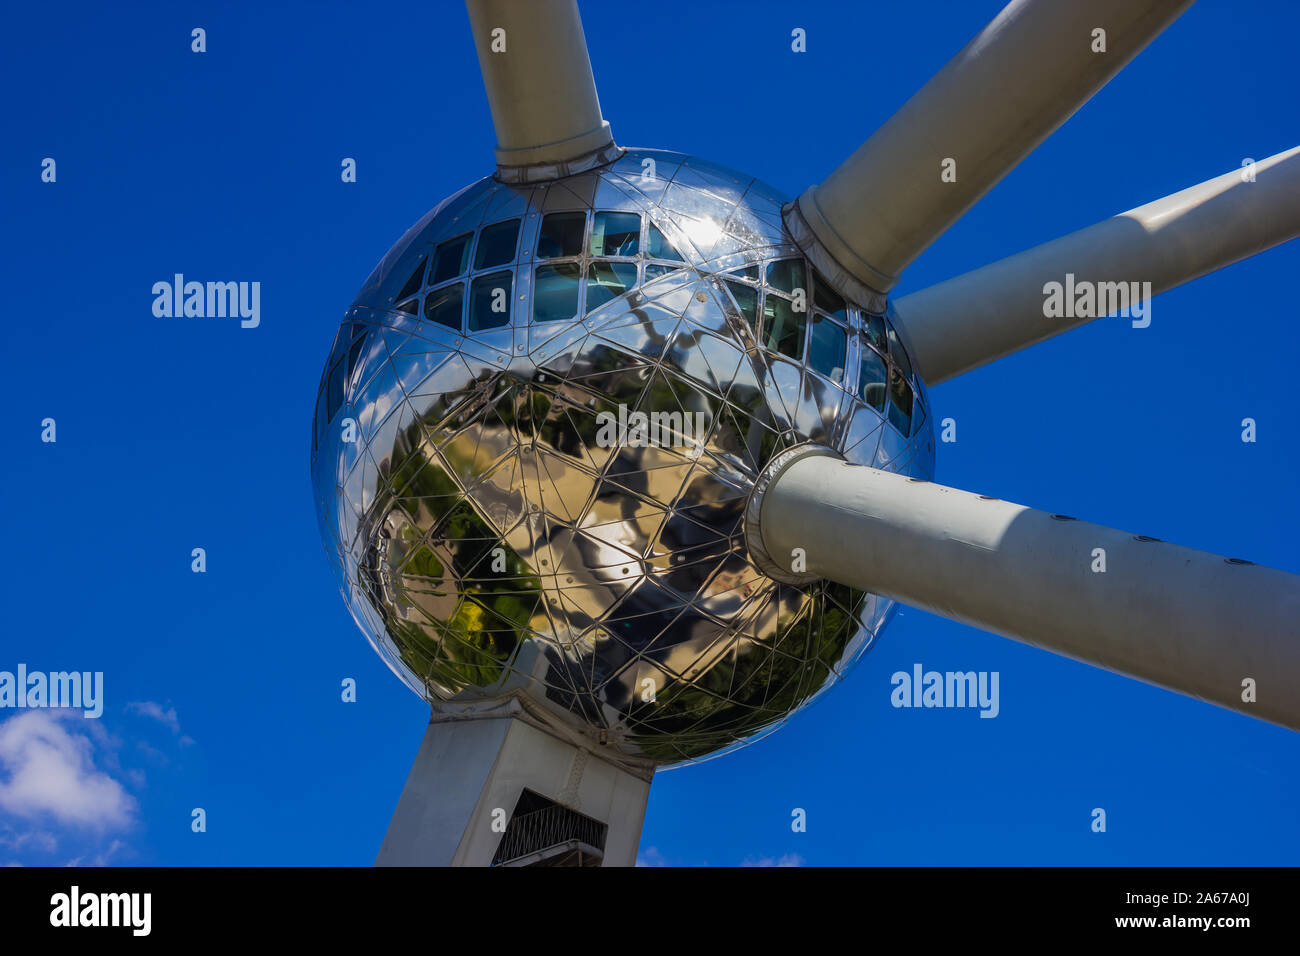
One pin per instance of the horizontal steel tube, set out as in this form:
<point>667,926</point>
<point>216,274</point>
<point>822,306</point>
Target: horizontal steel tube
<point>1185,620</point>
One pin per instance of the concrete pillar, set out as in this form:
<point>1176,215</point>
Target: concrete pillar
<point>470,770</point>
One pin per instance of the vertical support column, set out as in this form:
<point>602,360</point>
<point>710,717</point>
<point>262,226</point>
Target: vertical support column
<point>469,773</point>
<point>540,87</point>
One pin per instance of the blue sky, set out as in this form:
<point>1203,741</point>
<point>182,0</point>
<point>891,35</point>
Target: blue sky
<point>222,689</point>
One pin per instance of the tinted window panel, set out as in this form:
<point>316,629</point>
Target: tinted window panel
<point>875,327</point>
<point>496,244</point>
<point>318,433</point>
<point>786,275</point>
<point>747,298</point>
<point>607,281</point>
<point>900,402</point>
<point>827,299</point>
<point>616,234</point>
<point>414,283</point>
<point>561,235</point>
<point>489,301</point>
<point>443,306</point>
<point>783,327</point>
<point>341,342</point>
<point>918,415</point>
<point>555,292</point>
<point>354,353</point>
<point>451,259</point>
<point>749,272</point>
<point>337,374</point>
<point>897,354</point>
<point>871,380</point>
<point>828,348</point>
<point>660,247</point>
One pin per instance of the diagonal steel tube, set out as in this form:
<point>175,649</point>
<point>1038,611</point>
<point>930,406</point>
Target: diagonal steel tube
<point>1023,76</point>
<point>540,87</point>
<point>1214,628</point>
<point>980,316</point>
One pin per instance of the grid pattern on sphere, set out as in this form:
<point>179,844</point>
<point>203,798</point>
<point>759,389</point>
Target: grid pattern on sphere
<point>491,536</point>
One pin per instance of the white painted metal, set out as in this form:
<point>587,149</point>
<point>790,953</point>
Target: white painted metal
<point>539,82</point>
<point>1023,76</point>
<point>980,316</point>
<point>1185,620</point>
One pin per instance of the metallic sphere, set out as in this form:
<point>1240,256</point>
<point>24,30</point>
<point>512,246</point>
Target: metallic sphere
<point>537,432</point>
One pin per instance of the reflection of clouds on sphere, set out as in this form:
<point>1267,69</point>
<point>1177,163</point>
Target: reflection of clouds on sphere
<point>489,539</point>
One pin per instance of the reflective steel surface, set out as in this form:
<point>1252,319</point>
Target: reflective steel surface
<point>501,518</point>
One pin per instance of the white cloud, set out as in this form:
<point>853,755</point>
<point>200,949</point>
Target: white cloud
<point>33,839</point>
<point>147,708</point>
<point>790,859</point>
<point>99,859</point>
<point>47,768</point>
<point>165,716</point>
<point>651,857</point>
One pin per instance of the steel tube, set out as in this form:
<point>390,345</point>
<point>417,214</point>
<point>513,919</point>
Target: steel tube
<point>539,82</point>
<point>1007,90</point>
<point>980,316</point>
<point>1186,620</point>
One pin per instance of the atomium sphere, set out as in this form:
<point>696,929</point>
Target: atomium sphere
<point>537,432</point>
